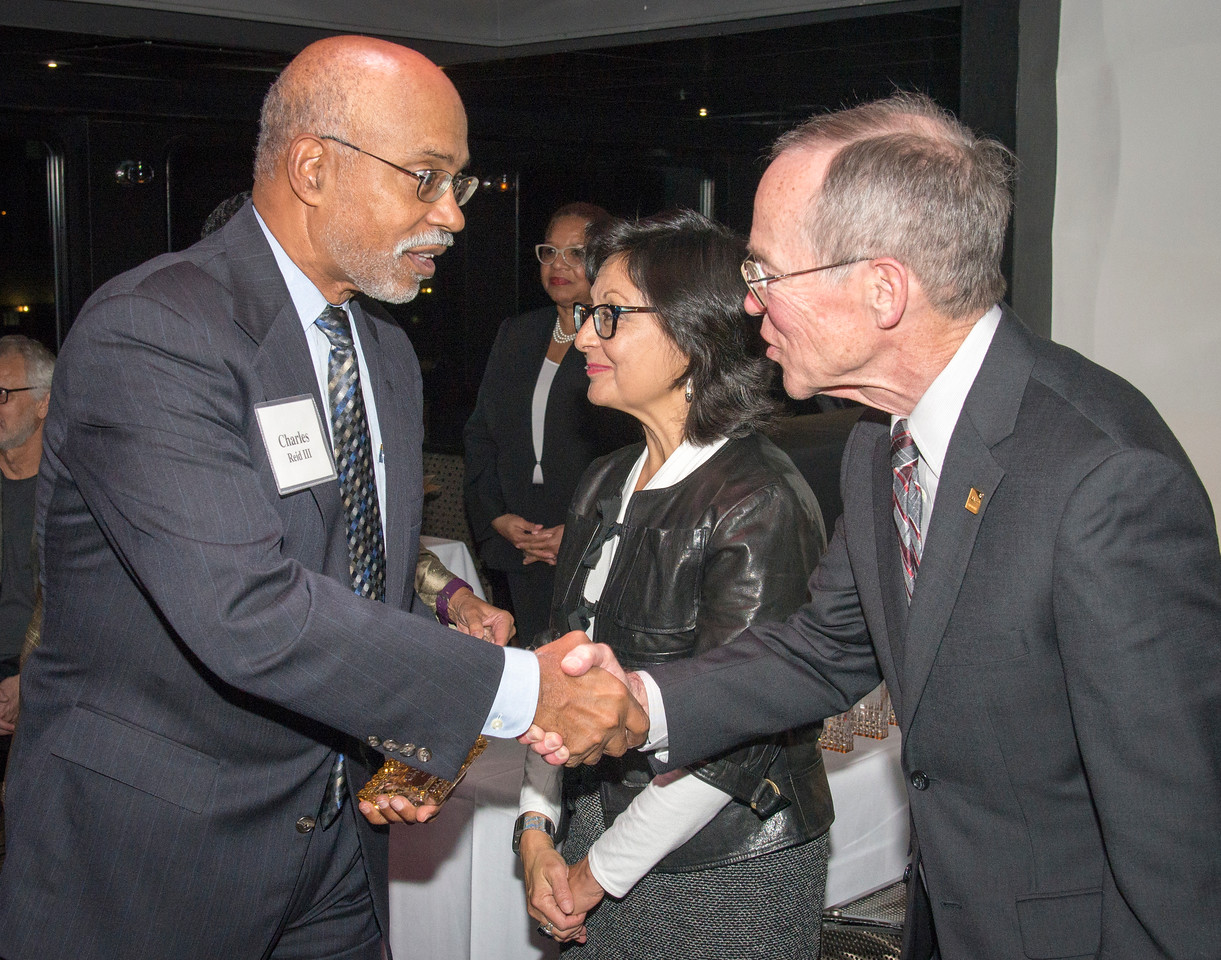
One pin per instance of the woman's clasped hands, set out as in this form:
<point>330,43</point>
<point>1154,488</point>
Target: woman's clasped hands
<point>558,896</point>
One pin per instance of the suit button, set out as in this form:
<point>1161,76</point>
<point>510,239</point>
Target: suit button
<point>919,780</point>
<point>408,749</point>
<point>305,825</point>
<point>374,742</point>
<point>423,754</point>
<point>390,745</point>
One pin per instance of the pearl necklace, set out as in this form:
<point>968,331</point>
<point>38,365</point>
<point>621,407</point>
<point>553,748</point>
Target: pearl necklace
<point>559,336</point>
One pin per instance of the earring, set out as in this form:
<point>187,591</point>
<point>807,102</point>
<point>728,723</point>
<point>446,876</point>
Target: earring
<point>687,392</point>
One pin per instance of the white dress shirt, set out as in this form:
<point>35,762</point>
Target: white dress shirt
<point>517,696</point>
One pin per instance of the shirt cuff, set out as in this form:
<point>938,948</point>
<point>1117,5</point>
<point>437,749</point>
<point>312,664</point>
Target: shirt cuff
<point>541,788</point>
<point>659,733</point>
<point>517,697</point>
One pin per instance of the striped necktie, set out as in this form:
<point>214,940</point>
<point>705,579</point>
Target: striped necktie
<point>357,490</point>
<point>908,499</point>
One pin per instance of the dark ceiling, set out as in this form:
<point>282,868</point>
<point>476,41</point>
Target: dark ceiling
<point>752,84</point>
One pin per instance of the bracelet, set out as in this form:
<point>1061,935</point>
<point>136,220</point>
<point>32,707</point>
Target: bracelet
<point>530,821</point>
<point>444,595</point>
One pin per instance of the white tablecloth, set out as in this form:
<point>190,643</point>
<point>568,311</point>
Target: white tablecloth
<point>869,837</point>
<point>456,889</point>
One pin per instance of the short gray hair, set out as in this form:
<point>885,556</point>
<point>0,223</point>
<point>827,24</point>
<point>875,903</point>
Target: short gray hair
<point>317,103</point>
<point>910,181</point>
<point>39,361</point>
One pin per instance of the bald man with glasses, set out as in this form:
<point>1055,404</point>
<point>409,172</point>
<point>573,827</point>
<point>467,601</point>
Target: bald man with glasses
<point>230,510</point>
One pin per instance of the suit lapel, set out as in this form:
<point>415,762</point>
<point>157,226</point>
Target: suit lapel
<point>947,551</point>
<point>988,417</point>
<point>263,308</point>
<point>869,531</point>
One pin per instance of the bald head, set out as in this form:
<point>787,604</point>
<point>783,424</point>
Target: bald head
<point>347,134</point>
<point>357,88</point>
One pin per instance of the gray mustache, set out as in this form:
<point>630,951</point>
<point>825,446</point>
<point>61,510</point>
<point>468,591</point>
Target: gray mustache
<point>429,238</point>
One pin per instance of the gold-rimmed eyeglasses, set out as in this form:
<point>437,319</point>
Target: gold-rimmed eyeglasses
<point>757,280</point>
<point>430,184</point>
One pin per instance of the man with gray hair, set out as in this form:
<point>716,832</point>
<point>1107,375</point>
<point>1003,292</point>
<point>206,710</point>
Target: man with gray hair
<point>25,384</point>
<point>1026,557</point>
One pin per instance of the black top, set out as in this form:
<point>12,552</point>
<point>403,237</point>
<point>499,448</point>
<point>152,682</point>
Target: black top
<point>16,569</point>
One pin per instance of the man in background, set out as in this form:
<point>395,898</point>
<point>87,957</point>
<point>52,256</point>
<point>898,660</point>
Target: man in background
<point>25,385</point>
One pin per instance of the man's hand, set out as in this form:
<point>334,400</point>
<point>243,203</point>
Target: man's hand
<point>579,661</point>
<point>10,701</point>
<point>586,712</point>
<point>479,618</point>
<point>395,810</point>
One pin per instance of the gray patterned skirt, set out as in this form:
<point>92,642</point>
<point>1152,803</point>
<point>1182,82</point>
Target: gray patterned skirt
<point>768,907</point>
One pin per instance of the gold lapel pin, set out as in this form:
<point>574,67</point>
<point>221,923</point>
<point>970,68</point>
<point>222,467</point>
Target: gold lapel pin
<point>975,500</point>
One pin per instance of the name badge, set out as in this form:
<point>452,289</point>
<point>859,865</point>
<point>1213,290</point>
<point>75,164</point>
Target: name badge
<point>297,443</point>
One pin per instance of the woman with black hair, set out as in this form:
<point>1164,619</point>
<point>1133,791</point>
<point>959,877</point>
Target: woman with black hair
<point>533,432</point>
<point>671,547</point>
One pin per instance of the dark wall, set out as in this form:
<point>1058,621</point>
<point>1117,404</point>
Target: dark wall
<point>616,124</point>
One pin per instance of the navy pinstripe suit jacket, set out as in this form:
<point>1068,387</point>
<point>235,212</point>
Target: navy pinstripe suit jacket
<point>203,654</point>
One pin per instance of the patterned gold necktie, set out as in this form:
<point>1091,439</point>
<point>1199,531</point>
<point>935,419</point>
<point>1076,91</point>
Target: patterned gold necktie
<point>358,491</point>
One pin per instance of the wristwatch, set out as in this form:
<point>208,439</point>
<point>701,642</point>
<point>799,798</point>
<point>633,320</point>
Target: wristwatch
<point>531,821</point>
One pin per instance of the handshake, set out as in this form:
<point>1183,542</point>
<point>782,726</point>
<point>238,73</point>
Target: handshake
<point>587,705</point>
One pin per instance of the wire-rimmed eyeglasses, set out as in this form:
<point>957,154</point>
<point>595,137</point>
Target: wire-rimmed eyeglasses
<point>431,184</point>
<point>573,256</point>
<point>604,315</point>
<point>757,280</point>
<point>5,391</point>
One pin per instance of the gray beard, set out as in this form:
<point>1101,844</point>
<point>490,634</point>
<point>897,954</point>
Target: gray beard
<point>375,274</point>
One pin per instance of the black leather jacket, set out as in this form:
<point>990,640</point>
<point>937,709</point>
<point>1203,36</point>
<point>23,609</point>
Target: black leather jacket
<point>698,562</point>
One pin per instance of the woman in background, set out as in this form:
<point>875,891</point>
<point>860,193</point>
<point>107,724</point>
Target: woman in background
<point>672,547</point>
<point>533,432</point>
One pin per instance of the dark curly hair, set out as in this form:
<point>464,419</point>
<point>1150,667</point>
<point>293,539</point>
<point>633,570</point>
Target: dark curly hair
<point>687,267</point>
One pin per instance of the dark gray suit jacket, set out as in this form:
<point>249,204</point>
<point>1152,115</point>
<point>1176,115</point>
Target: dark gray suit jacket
<point>203,654</point>
<point>1057,678</point>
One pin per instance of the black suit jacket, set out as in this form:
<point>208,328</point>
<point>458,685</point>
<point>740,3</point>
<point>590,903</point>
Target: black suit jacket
<point>203,655</point>
<point>1057,677</point>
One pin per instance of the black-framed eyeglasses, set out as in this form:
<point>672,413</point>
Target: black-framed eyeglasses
<point>573,256</point>
<point>431,185</point>
<point>604,315</point>
<point>757,280</point>
<point>5,391</point>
